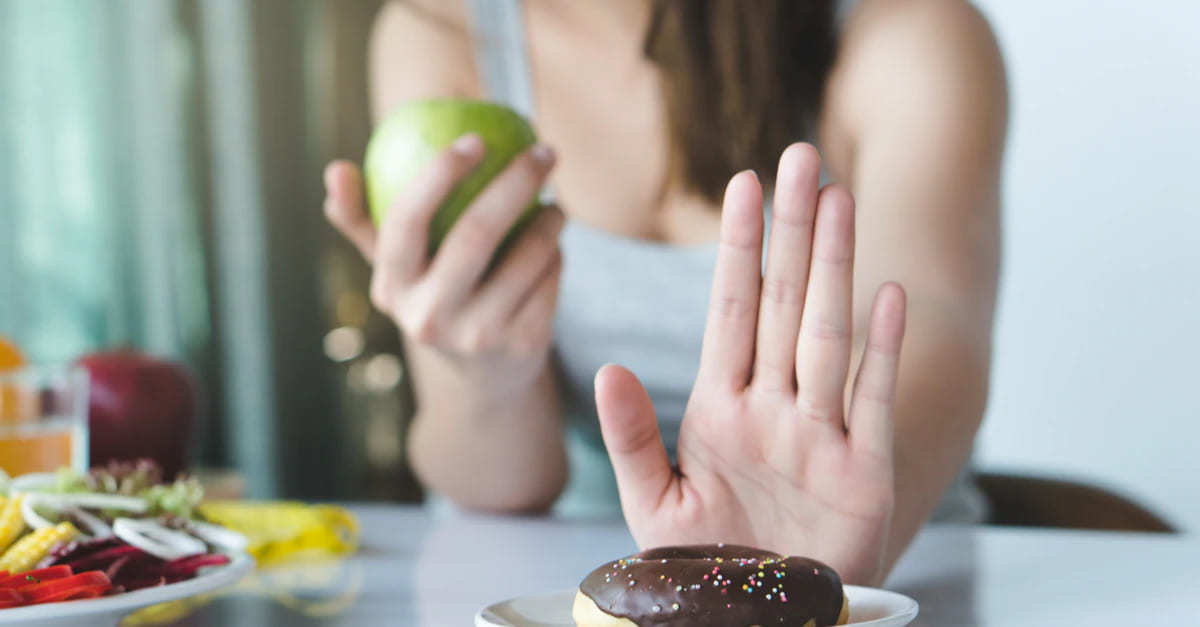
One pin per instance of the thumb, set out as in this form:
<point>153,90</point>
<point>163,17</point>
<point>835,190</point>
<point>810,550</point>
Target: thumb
<point>344,207</point>
<point>630,431</point>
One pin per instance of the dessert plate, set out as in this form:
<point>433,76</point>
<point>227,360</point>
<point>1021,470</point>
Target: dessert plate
<point>868,606</point>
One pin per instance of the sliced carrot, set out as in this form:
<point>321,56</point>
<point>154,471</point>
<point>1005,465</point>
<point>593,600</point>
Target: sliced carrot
<point>39,593</point>
<point>21,580</point>
<point>75,594</point>
<point>11,598</point>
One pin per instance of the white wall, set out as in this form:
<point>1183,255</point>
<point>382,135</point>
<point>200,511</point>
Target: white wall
<point>1097,363</point>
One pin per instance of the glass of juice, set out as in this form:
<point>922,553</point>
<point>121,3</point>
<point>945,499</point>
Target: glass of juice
<point>43,419</point>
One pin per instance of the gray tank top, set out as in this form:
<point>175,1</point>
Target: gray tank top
<point>638,303</point>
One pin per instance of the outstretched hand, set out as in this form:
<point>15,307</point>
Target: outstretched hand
<point>769,455</point>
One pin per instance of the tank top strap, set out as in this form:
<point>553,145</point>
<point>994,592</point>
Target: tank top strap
<point>500,53</point>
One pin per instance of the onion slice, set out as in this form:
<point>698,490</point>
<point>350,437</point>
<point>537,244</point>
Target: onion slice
<point>32,518</point>
<point>94,527</point>
<point>217,535</point>
<point>156,539</point>
<point>33,482</point>
<point>97,529</point>
<point>133,504</point>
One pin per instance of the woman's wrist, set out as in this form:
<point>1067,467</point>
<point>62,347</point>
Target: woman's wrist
<point>515,444</point>
<point>479,393</point>
<point>486,375</point>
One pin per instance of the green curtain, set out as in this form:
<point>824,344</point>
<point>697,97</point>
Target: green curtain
<point>160,188</point>
<point>99,236</point>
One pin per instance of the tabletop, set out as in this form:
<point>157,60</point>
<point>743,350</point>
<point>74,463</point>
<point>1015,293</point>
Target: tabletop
<point>416,567</point>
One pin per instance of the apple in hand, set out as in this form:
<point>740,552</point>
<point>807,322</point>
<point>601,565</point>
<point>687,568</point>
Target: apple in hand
<point>412,135</point>
<point>140,407</point>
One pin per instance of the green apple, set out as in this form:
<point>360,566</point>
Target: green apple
<point>408,140</point>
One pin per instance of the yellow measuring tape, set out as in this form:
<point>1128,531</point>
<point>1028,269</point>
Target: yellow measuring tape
<point>282,530</point>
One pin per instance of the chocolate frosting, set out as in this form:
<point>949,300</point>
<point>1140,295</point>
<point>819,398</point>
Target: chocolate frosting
<point>716,584</point>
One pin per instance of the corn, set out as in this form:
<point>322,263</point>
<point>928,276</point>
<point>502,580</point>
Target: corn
<point>30,550</point>
<point>12,523</point>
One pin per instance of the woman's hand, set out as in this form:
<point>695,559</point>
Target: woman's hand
<point>768,453</point>
<point>477,335</point>
<point>493,325</point>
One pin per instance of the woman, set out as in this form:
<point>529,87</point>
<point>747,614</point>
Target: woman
<point>646,108</point>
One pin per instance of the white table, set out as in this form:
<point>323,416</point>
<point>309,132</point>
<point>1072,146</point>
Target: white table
<point>419,569</point>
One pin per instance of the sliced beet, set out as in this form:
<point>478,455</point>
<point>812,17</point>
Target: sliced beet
<point>142,582</point>
<point>78,549</point>
<point>117,565</point>
<point>101,559</point>
<point>193,562</point>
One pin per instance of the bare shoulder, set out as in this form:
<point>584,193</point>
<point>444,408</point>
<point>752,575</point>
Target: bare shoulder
<point>917,65</point>
<point>420,49</point>
<point>915,119</point>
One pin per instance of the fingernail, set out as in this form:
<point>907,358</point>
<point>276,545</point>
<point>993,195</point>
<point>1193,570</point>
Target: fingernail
<point>543,154</point>
<point>753,173</point>
<point>468,145</point>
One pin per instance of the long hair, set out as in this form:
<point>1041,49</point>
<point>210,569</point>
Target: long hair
<point>742,79</point>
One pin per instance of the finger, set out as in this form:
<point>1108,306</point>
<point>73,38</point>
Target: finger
<point>728,349</point>
<point>344,206</point>
<point>786,277</point>
<point>472,241</point>
<point>403,242</point>
<point>520,270</point>
<point>631,436</point>
<point>870,419</point>
<point>533,322</point>
<point>823,347</point>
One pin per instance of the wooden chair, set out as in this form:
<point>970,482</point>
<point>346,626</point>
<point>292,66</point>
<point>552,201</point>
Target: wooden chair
<point>1039,502</point>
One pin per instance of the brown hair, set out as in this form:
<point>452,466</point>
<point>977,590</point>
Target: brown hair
<point>742,79</point>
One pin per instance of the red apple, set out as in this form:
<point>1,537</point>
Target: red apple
<point>140,407</point>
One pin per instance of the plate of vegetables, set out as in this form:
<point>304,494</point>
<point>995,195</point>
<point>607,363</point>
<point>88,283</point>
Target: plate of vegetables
<point>96,546</point>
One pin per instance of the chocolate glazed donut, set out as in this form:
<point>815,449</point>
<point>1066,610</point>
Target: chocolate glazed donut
<point>716,584</point>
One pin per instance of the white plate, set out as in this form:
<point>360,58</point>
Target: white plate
<point>868,606</point>
<point>110,610</point>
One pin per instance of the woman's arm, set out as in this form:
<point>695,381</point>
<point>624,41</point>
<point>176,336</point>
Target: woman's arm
<point>486,435</point>
<point>916,123</point>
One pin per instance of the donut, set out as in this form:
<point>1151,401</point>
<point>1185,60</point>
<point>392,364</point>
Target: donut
<point>711,584</point>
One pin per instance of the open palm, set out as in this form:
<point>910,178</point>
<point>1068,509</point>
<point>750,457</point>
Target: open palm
<point>768,454</point>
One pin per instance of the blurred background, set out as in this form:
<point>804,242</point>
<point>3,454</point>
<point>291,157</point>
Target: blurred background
<point>160,188</point>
